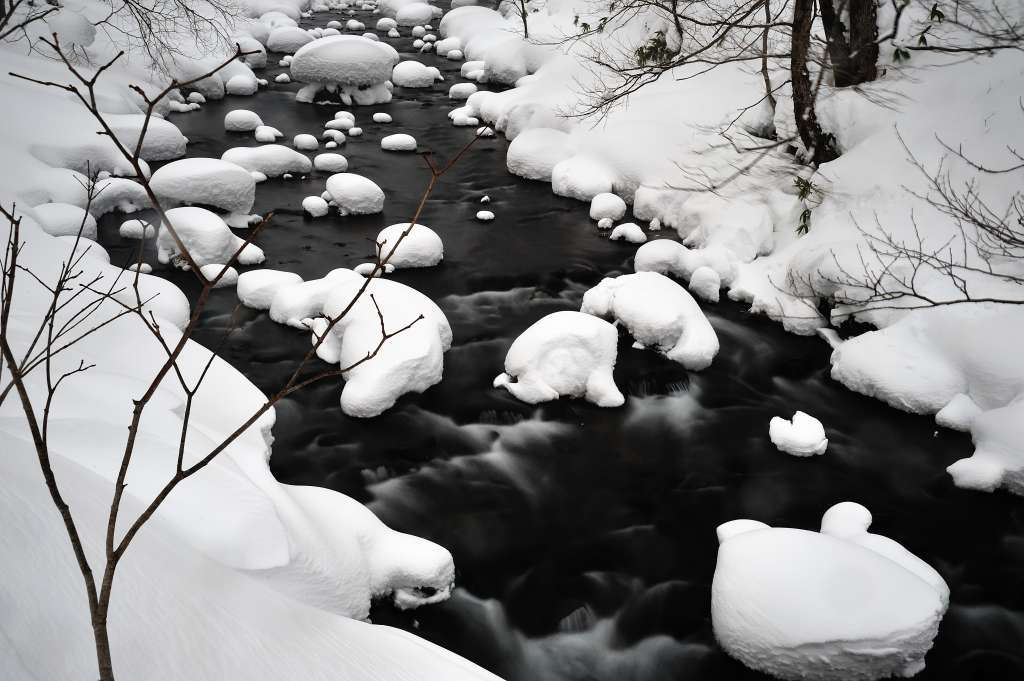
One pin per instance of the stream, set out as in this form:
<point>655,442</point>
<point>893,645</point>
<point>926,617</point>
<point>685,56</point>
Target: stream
<point>584,538</point>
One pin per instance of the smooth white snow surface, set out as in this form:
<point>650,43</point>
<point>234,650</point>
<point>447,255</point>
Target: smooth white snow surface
<point>414,74</point>
<point>607,205</point>
<point>628,231</point>
<point>273,160</point>
<point>206,181</point>
<point>802,436</point>
<point>566,353</point>
<point>354,68</point>
<point>206,236</point>
<point>330,163</point>
<point>242,120</point>
<point>841,604</point>
<point>659,314</point>
<point>355,194</point>
<point>421,247</point>
<point>398,142</point>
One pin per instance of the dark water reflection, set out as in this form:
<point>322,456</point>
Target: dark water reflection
<point>584,538</point>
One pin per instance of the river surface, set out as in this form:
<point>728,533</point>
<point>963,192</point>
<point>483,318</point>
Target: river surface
<point>584,538</point>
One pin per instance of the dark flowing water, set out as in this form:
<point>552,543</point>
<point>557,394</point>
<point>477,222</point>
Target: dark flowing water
<point>584,538</point>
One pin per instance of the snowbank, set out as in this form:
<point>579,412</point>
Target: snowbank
<point>566,353</point>
<point>659,314</point>
<point>839,604</point>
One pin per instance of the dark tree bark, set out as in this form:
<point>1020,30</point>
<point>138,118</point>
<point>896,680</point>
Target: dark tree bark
<point>820,146</point>
<point>852,49</point>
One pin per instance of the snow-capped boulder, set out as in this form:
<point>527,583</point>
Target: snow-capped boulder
<point>381,117</point>
<point>355,69</point>
<point>628,231</point>
<point>566,353</point>
<point>411,361</point>
<point>607,205</point>
<point>421,247</point>
<point>256,289</point>
<point>705,283</point>
<point>315,206</point>
<point>836,605</point>
<point>398,142</point>
<point>267,134</point>
<point>414,74</point>
<point>305,142</point>
<point>207,182</point>
<point>414,14</point>
<point>803,436</point>
<point>242,120</point>
<point>461,90</point>
<point>659,314</point>
<point>273,160</point>
<point>355,194</point>
<point>205,236</point>
<point>136,229</point>
<point>581,178</point>
<point>330,163</point>
<point>297,303</point>
<point>534,153</point>
<point>288,39</point>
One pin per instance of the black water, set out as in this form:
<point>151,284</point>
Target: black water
<point>584,538</point>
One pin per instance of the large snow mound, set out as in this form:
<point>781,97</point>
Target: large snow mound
<point>207,182</point>
<point>566,353</point>
<point>840,604</point>
<point>659,313</point>
<point>411,361</point>
<point>421,247</point>
<point>357,67</point>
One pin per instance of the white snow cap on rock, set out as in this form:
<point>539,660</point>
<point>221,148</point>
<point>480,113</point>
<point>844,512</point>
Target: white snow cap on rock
<point>837,605</point>
<point>206,237</point>
<point>461,90</point>
<point>414,74</point>
<point>411,361</point>
<point>484,215</point>
<point>305,142</point>
<point>330,163</point>
<point>607,205</point>
<point>288,39</point>
<point>242,120</point>
<point>803,436</point>
<point>660,315</point>
<point>398,142</point>
<point>534,153</point>
<point>296,304</point>
<point>355,194</point>
<point>273,160</point>
<point>136,229</point>
<point>628,231</point>
<point>705,284</point>
<point>315,206</point>
<point>566,353</point>
<point>381,117</point>
<point>206,181</point>
<point>421,247</point>
<point>256,289</point>
<point>266,133</point>
<point>354,68</point>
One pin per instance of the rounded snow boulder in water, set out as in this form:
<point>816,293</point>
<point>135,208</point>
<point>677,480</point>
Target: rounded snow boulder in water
<point>607,205</point>
<point>836,605</point>
<point>421,247</point>
<point>242,120</point>
<point>706,284</point>
<point>288,39</point>
<point>355,194</point>
<point>207,182</point>
<point>356,67</point>
<point>566,353</point>
<point>398,142</point>
<point>534,153</point>
<point>415,75</point>
<point>628,231</point>
<point>273,160</point>
<point>581,178</point>
<point>205,236</point>
<point>414,14</point>
<point>330,163</point>
<point>659,313</point>
<point>803,436</point>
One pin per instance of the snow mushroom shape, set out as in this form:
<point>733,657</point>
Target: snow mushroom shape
<point>421,247</point>
<point>836,605</point>
<point>205,181</point>
<point>355,194</point>
<point>565,353</point>
<point>357,66</point>
<point>659,313</point>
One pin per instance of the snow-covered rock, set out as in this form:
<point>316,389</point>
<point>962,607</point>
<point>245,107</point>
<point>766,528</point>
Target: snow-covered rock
<point>355,194</point>
<point>566,353</point>
<point>581,178</point>
<point>208,182</point>
<point>297,303</point>
<point>840,604</point>
<point>414,74</point>
<point>461,90</point>
<point>659,314</point>
<point>421,247</point>
<point>256,289</point>
<point>136,229</point>
<point>242,120</point>
<point>381,117</point>
<point>305,142</point>
<point>536,152</point>
<point>484,215</point>
<point>330,163</point>
<point>64,219</point>
<point>398,142</point>
<point>607,205</point>
<point>414,14</point>
<point>351,68</point>
<point>705,284</point>
<point>267,134</point>
<point>411,361</point>
<point>273,160</point>
<point>228,276</point>
<point>628,231</point>
<point>315,206</point>
<point>803,436</point>
<point>205,236</point>
<point>289,39</point>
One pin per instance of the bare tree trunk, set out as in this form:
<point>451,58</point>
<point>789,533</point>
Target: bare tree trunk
<point>852,49</point>
<point>523,14</point>
<point>768,93</point>
<point>820,146</point>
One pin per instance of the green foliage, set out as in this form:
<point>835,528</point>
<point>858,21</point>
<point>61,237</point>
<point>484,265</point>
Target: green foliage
<point>654,52</point>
